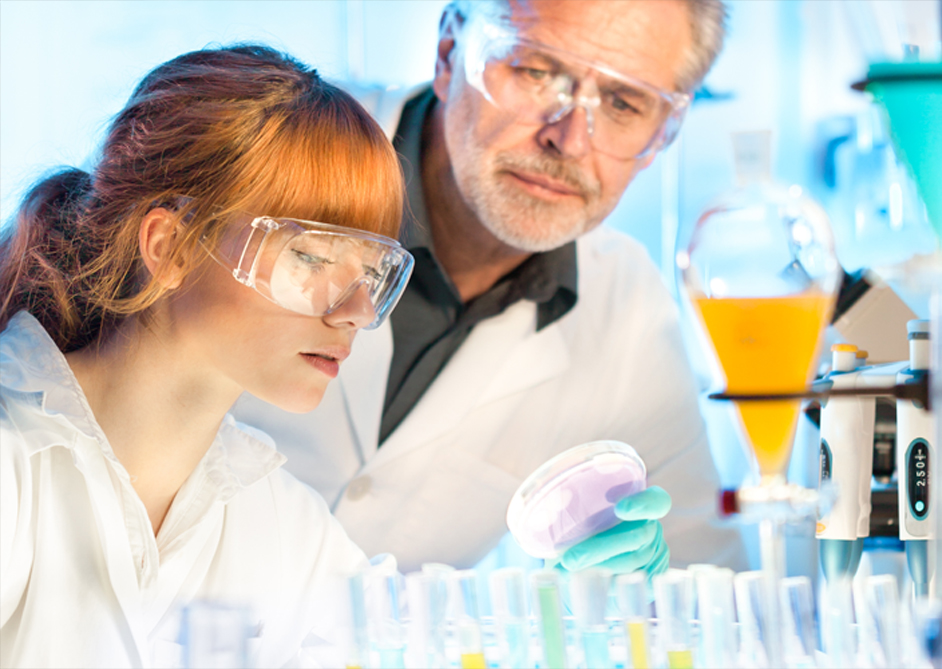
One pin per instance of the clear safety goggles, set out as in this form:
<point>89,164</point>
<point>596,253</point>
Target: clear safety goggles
<point>540,84</point>
<point>315,268</point>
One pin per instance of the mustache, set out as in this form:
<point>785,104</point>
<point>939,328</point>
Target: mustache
<point>566,172</point>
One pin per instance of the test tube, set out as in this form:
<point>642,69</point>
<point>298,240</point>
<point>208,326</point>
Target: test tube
<point>716,612</point>
<point>545,588</point>
<point>927,619</point>
<point>797,599</point>
<point>589,590</point>
<point>697,638</point>
<point>464,591</point>
<point>428,601</point>
<point>634,600</point>
<point>837,623</point>
<point>882,593</point>
<point>752,606</point>
<point>509,604</point>
<point>673,599</point>
<point>384,614</point>
<point>358,642</point>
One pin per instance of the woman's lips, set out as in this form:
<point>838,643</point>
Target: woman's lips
<point>329,366</point>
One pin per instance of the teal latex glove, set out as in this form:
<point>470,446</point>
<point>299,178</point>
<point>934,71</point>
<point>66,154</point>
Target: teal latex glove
<point>636,543</point>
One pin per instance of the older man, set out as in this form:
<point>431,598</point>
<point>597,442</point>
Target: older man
<point>527,328</point>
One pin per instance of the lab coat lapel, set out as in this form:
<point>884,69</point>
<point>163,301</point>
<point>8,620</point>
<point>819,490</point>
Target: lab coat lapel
<point>363,383</point>
<point>501,356</point>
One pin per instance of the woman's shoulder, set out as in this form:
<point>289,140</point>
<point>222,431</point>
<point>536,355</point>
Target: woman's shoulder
<point>278,492</point>
<point>296,522</point>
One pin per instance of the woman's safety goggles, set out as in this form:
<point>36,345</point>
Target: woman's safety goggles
<point>540,84</point>
<point>315,268</point>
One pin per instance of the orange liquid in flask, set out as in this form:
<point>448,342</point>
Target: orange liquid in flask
<point>767,345</point>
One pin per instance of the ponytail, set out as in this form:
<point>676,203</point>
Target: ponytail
<point>42,253</point>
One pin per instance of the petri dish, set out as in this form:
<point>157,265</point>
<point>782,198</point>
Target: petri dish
<point>572,496</point>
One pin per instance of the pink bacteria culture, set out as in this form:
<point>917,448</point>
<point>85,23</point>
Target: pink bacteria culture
<point>572,496</point>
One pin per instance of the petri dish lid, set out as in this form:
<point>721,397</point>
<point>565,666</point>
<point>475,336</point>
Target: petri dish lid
<point>573,495</point>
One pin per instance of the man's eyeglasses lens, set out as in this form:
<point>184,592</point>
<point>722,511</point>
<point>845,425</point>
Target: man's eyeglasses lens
<point>540,84</point>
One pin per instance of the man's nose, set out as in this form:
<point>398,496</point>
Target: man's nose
<point>355,311</point>
<point>568,133</point>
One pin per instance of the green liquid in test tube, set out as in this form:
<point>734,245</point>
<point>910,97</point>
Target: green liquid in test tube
<point>545,586</point>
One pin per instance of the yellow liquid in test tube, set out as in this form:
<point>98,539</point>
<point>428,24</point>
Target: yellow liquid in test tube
<point>680,659</point>
<point>638,636</point>
<point>767,345</point>
<point>473,661</point>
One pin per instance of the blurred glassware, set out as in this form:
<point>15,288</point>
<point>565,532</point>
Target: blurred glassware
<point>877,215</point>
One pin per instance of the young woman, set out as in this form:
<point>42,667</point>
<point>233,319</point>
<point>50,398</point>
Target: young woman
<point>234,236</point>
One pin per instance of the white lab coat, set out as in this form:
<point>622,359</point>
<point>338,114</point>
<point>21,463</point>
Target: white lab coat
<point>510,398</point>
<point>83,580</point>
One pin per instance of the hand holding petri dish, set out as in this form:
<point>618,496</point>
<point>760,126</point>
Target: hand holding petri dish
<point>573,496</point>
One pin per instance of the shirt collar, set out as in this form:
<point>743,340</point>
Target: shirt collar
<point>550,279</point>
<point>35,373</point>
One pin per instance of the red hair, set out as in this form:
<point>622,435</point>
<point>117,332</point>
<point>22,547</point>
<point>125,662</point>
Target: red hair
<point>242,128</point>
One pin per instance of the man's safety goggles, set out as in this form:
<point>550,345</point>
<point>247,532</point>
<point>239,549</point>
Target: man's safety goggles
<point>540,84</point>
<point>315,268</point>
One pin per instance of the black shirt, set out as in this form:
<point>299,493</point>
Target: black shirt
<point>430,322</point>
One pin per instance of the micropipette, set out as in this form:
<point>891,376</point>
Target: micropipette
<point>914,459</point>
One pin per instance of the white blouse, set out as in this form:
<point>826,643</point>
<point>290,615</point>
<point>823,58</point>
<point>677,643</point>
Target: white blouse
<point>83,580</point>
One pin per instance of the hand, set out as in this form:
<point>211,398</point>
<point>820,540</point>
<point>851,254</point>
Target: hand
<point>636,543</point>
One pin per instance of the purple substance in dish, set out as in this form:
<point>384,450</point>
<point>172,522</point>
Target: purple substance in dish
<point>577,504</point>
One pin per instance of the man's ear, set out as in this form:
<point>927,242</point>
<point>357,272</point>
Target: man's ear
<point>447,51</point>
<point>155,242</point>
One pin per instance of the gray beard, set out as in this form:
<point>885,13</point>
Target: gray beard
<point>525,222</point>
